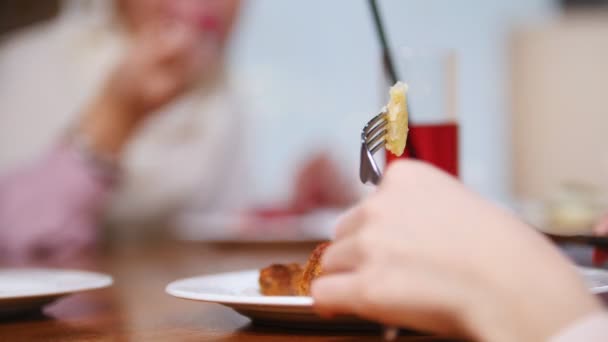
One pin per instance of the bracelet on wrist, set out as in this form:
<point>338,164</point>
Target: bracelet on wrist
<point>106,164</point>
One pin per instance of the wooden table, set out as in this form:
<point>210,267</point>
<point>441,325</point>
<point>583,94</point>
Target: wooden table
<point>136,308</point>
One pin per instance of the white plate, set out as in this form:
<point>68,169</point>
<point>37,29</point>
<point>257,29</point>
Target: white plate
<point>28,289</point>
<point>240,291</point>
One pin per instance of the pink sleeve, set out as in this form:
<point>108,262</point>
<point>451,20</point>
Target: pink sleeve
<point>50,207</point>
<point>593,328</point>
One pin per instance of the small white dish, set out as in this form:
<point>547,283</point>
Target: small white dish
<point>234,227</point>
<point>240,291</point>
<point>29,289</point>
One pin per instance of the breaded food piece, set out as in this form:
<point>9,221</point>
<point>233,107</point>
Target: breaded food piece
<point>312,270</point>
<point>397,117</point>
<point>280,280</point>
<point>292,279</point>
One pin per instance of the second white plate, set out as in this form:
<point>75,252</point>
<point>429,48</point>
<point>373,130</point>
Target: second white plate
<point>27,289</point>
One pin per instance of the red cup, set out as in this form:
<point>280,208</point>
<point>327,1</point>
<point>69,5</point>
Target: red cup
<point>431,76</point>
<point>435,143</point>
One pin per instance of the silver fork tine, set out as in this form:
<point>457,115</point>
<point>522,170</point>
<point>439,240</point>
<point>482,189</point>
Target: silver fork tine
<point>373,139</point>
<point>376,119</point>
<point>376,128</point>
<point>376,147</point>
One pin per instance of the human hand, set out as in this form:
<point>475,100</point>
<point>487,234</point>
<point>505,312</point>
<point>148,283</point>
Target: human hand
<point>426,253</point>
<point>320,184</point>
<point>160,66</point>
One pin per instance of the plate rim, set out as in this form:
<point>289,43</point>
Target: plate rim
<point>289,301</point>
<point>105,280</point>
<point>279,301</point>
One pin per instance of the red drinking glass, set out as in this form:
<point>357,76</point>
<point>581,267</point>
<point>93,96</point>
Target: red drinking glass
<point>436,144</point>
<point>434,130</point>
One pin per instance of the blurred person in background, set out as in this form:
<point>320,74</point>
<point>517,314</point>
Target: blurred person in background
<point>121,112</point>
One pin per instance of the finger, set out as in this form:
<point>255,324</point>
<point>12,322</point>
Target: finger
<point>396,297</point>
<point>333,294</point>
<point>350,223</point>
<point>161,89</point>
<point>393,295</point>
<point>342,256</point>
<point>171,44</point>
<point>190,60</point>
<point>197,52</point>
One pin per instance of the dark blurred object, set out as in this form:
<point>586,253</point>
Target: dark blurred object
<point>18,13</point>
<point>573,4</point>
<point>386,56</point>
<point>389,65</point>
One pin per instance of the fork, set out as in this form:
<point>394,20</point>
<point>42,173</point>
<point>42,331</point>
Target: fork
<point>373,138</point>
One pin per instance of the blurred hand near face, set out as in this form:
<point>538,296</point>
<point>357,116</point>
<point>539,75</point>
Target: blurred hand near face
<point>161,65</point>
<point>175,43</point>
<point>426,253</point>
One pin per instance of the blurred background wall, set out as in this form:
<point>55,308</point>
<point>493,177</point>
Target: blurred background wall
<point>314,66</point>
<point>560,108</point>
<point>312,75</point>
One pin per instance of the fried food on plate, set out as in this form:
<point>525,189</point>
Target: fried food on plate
<point>280,280</point>
<point>312,270</point>
<point>292,279</point>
